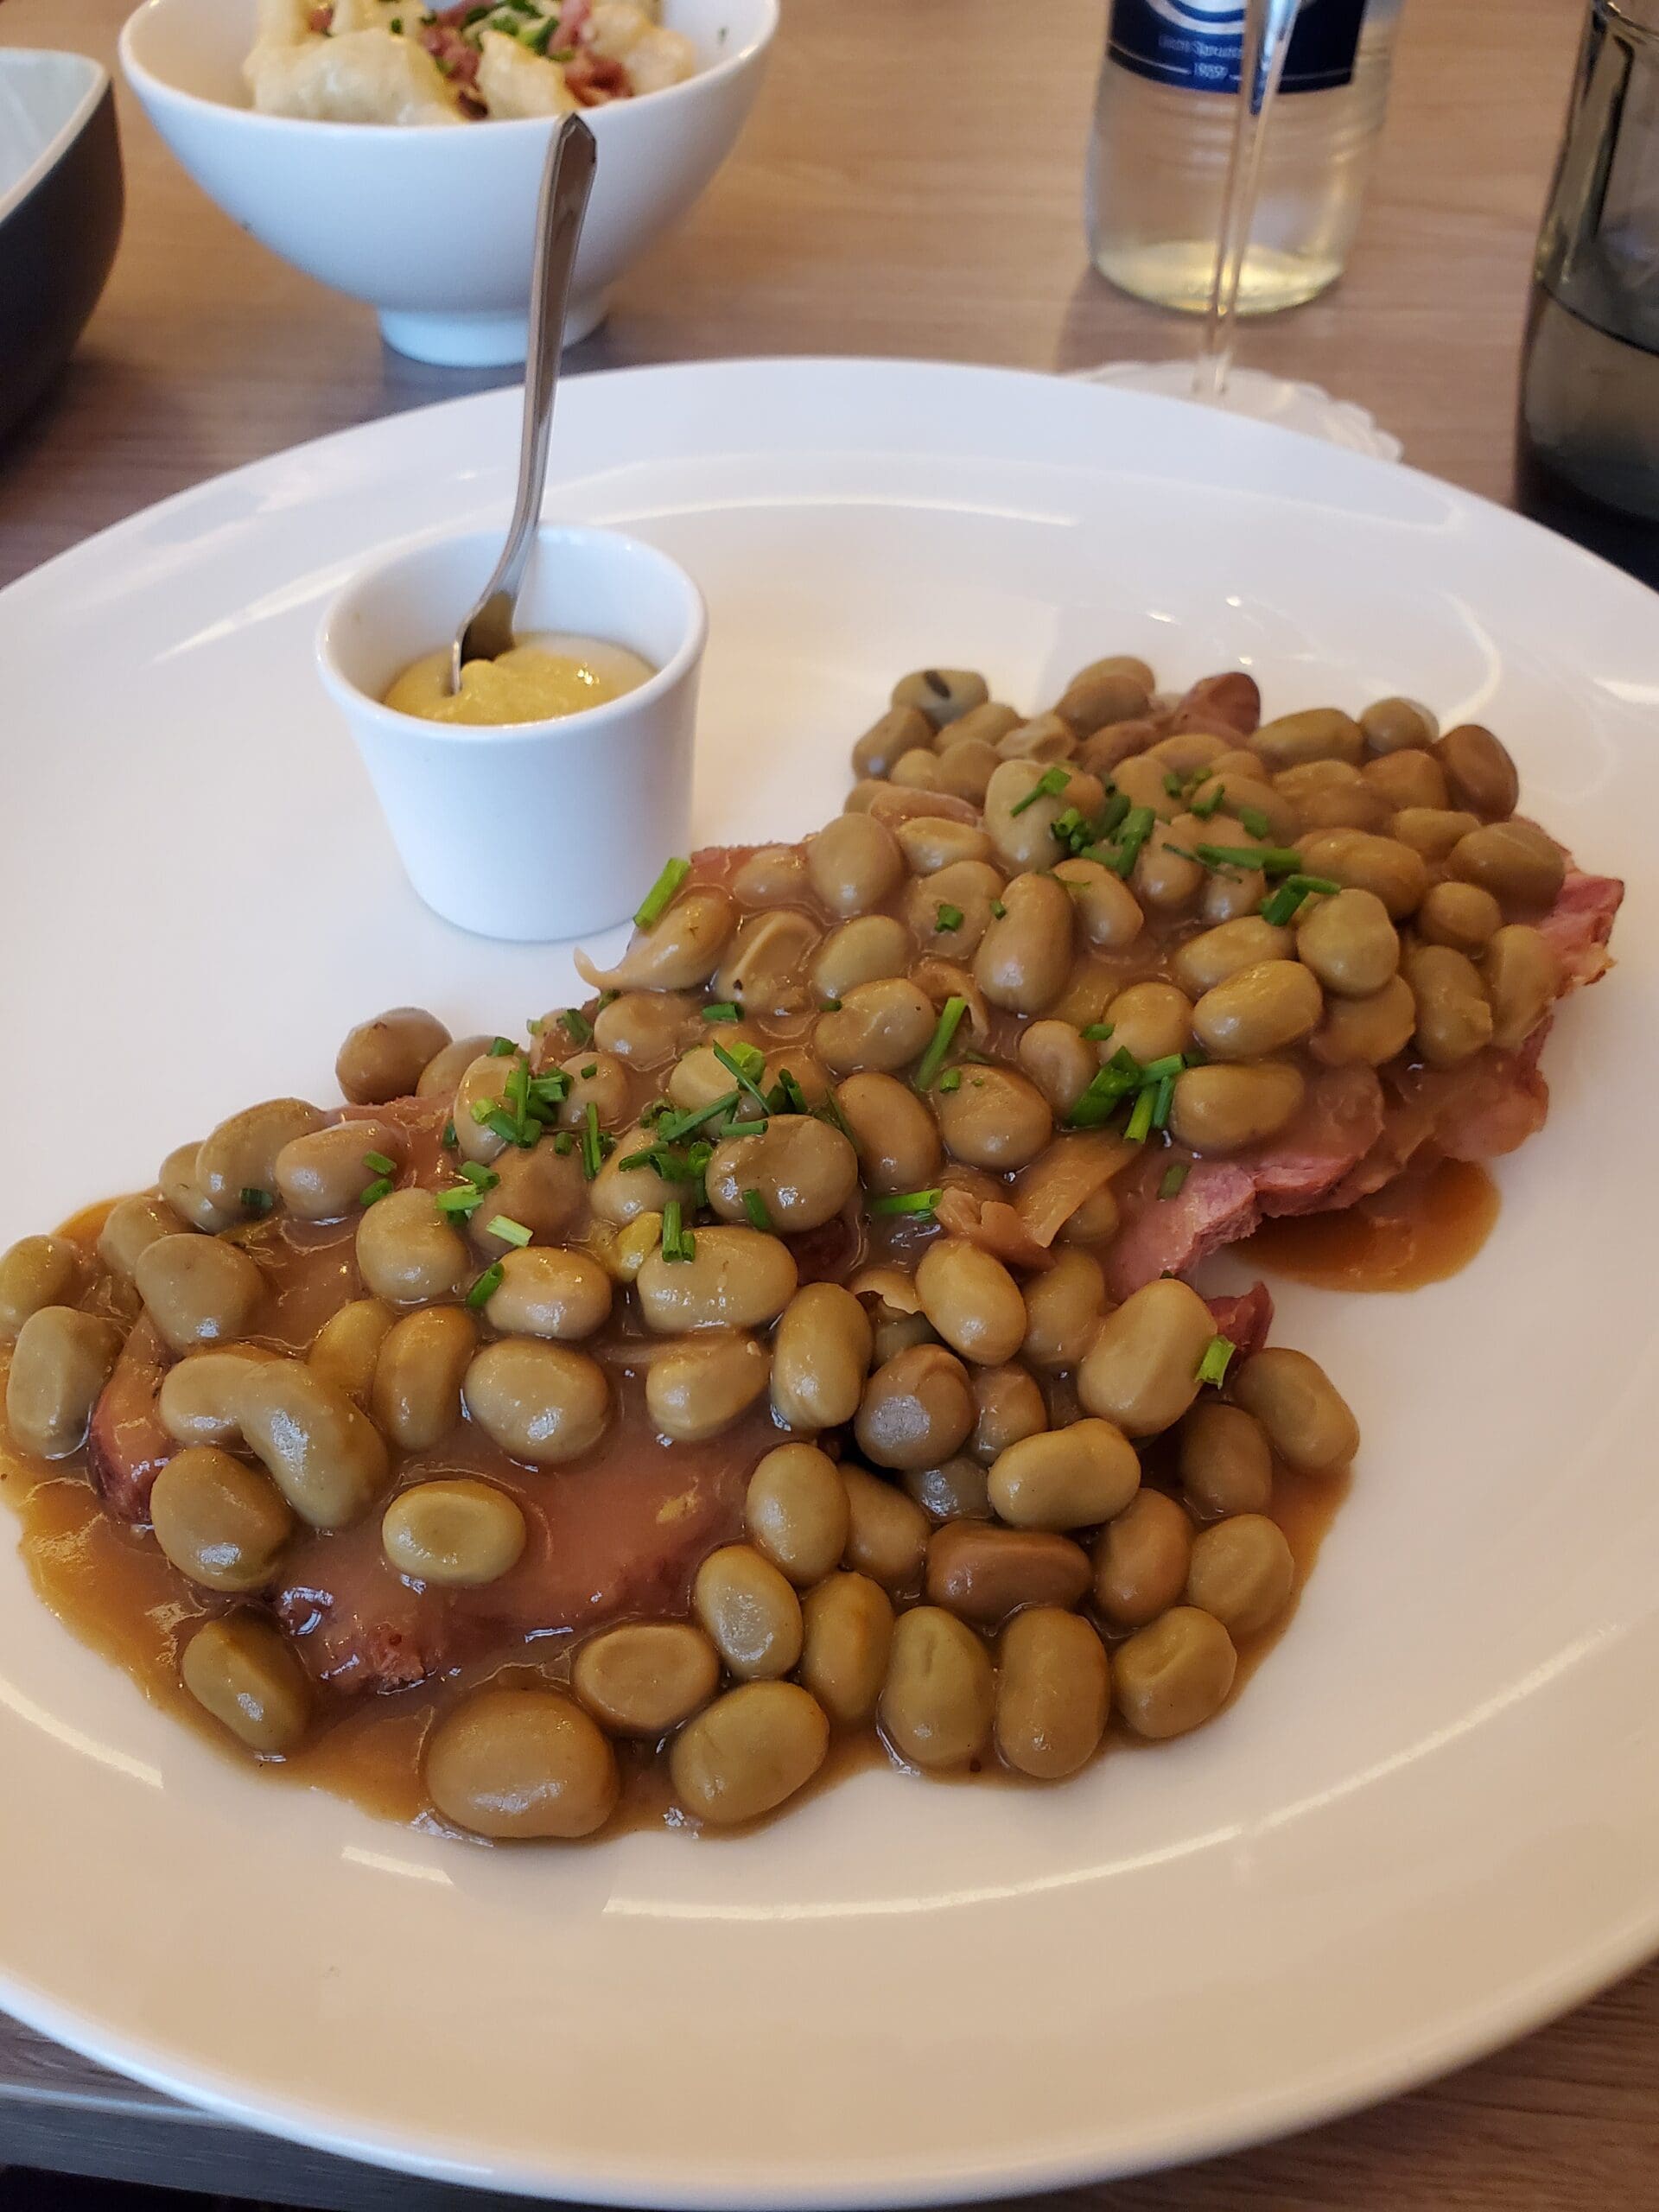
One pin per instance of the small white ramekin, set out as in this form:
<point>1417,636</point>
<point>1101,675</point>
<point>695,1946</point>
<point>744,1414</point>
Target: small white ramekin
<point>536,830</point>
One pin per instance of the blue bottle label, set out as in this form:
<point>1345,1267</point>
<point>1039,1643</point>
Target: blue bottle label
<point>1195,44</point>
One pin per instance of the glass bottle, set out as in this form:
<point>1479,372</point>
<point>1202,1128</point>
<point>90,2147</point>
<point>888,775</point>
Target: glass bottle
<point>1158,149</point>
<point>1587,434</point>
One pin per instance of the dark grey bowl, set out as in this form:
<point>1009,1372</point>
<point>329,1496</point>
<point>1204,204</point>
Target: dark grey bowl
<point>60,207</point>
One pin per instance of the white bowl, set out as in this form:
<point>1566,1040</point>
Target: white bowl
<point>537,830</point>
<point>429,225</point>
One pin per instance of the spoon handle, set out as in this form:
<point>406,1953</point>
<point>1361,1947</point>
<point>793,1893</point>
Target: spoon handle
<point>566,182</point>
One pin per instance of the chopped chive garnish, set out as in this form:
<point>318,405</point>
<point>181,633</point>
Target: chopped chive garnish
<point>502,1048</point>
<point>1210,804</point>
<point>460,1198</point>
<point>677,1242</point>
<point>933,1058</point>
<point>1097,1032</point>
<point>589,1071</point>
<point>1272,859</point>
<point>563,1143</point>
<point>485,1288</point>
<point>536,1023</point>
<point>786,1095</point>
<point>593,1154</point>
<point>672,1127</point>
<point>656,901</point>
<point>509,1231</point>
<point>1140,1121</point>
<point>1138,825</point>
<point>949,917</point>
<point>1114,814</point>
<point>449,1140</point>
<point>1119,1076</point>
<point>1212,1368</point>
<point>1163,1099</point>
<point>378,1164</point>
<point>725,1011</point>
<point>1066,826</point>
<point>255,1200</point>
<point>1155,1070</point>
<point>1280,906</point>
<point>502,1124</point>
<point>907,1202</point>
<point>755,1206</point>
<point>1173,784</point>
<point>371,1194</point>
<point>481,1176</point>
<point>1255,821</point>
<point>1174,1176</point>
<point>951,1079</point>
<point>576,1025</point>
<point>999,911</point>
<point>1049,785</point>
<point>551,1090</point>
<point>482,1109</point>
<point>745,1062</point>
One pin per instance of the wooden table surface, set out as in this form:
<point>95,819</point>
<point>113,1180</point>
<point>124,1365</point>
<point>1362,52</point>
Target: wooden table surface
<point>918,194</point>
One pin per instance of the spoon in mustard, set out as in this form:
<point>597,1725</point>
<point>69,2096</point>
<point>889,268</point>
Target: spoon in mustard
<point>566,182</point>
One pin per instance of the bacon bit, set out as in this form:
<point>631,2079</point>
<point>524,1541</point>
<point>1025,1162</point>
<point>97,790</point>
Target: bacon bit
<point>1243,1319</point>
<point>573,21</point>
<point>471,106</point>
<point>458,60</point>
<point>321,19</point>
<point>596,80</point>
<point>1065,1176</point>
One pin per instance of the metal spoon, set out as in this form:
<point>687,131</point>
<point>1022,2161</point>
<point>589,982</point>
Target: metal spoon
<point>566,182</point>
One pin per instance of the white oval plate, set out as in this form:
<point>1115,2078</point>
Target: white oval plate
<point>1429,1821</point>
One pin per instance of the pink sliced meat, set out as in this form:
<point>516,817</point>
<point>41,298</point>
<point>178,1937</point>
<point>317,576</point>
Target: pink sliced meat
<point>618,1533</point>
<point>1580,923</point>
<point>126,1446</point>
<point>1222,1200</point>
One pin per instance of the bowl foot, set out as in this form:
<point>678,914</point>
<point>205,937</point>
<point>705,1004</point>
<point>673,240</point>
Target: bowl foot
<point>482,341</point>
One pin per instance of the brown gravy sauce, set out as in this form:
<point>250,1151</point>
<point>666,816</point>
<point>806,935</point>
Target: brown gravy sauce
<point>1426,1224</point>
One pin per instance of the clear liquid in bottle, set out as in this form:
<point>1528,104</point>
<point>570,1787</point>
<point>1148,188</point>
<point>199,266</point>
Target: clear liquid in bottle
<point>1163,131</point>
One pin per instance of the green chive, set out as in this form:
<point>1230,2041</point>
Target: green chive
<point>481,1176</point>
<point>1140,1121</point>
<point>755,1206</point>
<point>485,1288</point>
<point>907,1202</point>
<point>483,1107</point>
<point>371,1194</point>
<point>1174,1176</point>
<point>674,1237</point>
<point>255,1200</point>
<point>1256,822</point>
<point>724,1012</point>
<point>509,1231</point>
<point>675,1126</point>
<point>1119,1076</point>
<point>589,1071</point>
<point>563,1143</point>
<point>1203,808</point>
<point>949,918</point>
<point>379,1164</point>
<point>1282,906</point>
<point>933,1058</point>
<point>460,1198</point>
<point>656,901</point>
<point>744,1062</point>
<point>501,1048</point>
<point>1113,815</point>
<point>1066,826</point>
<point>576,1025</point>
<point>1097,1032</point>
<point>998,910</point>
<point>502,1125</point>
<point>1138,825</point>
<point>951,1080</point>
<point>1272,859</point>
<point>449,1139</point>
<point>1173,784</point>
<point>1162,1101</point>
<point>1049,785</point>
<point>1158,1071</point>
<point>592,1155</point>
<point>1212,1368</point>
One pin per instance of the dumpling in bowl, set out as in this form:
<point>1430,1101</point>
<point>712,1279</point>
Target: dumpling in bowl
<point>359,76</point>
<point>513,83</point>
